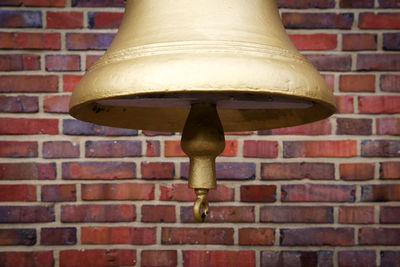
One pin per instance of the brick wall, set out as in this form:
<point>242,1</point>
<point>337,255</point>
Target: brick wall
<point>75,194</point>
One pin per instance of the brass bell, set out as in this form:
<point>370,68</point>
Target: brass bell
<point>202,67</point>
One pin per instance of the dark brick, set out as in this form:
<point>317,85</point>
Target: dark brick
<point>19,104</point>
<point>318,193</point>
<point>391,41</point>
<point>113,149</point>
<point>356,3</point>
<point>360,258</point>
<point>389,3</point>
<point>256,236</point>
<point>296,259</point>
<point>58,193</point>
<point>378,62</point>
<point>317,20</point>
<point>390,258</point>
<point>317,237</point>
<point>98,213</point>
<point>58,236</point>
<point>27,214</point>
<point>220,214</point>
<point>379,236</point>
<point>388,83</point>
<point>258,193</point>
<point>98,170</point>
<point>228,170</point>
<point>296,214</point>
<point>158,170</point>
<point>217,258</point>
<point>380,148</point>
<point>20,19</point>
<point>158,213</point>
<point>292,171</point>
<point>303,4</point>
<point>105,20</point>
<point>75,127</point>
<point>12,237</point>
<point>380,192</point>
<point>331,62</point>
<point>97,257</point>
<point>349,126</point>
<point>359,42</point>
<point>97,3</point>
<point>389,214</point>
<point>177,236</point>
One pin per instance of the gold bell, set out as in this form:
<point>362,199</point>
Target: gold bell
<point>203,67</point>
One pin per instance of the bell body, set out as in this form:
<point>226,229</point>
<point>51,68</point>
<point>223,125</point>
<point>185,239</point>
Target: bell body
<point>171,54</point>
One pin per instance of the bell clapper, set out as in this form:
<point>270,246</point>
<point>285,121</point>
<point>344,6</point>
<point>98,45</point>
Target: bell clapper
<point>202,140</point>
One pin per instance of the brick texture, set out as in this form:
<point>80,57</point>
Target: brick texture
<point>77,194</point>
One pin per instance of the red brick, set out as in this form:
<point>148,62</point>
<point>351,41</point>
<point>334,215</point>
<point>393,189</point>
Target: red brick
<point>19,104</point>
<point>291,171</point>
<point>27,171</point>
<point>211,236</point>
<point>390,83</point>
<point>318,193</point>
<point>361,258</point>
<point>357,83</point>
<point>345,104</point>
<point>379,104</point>
<point>317,20</point>
<point>356,171</point>
<point>15,193</point>
<point>63,63</point>
<point>260,149</point>
<point>222,214</point>
<point>98,213</point>
<point>158,170</point>
<point>322,127</point>
<point>27,214</point>
<point>89,41</point>
<point>378,62</point>
<point>340,148</point>
<point>56,104</point>
<point>390,170</point>
<point>70,82</point>
<point>258,193</point>
<point>60,149</point>
<point>181,192</point>
<point>28,126</point>
<point>58,236</point>
<point>159,258</point>
<point>28,83</point>
<point>379,236</point>
<point>105,20</point>
<point>97,257</point>
<point>158,213</point>
<point>319,41</point>
<point>113,149</point>
<point>97,3</point>
<point>123,191</point>
<point>90,60</point>
<point>18,149</point>
<point>379,21</point>
<point>12,237</point>
<point>330,80</point>
<point>380,192</point>
<point>296,258</point>
<point>218,258</point>
<point>256,236</point>
<point>356,214</point>
<point>173,148</point>
<point>330,62</point>
<point>388,126</point>
<point>119,235</point>
<point>64,20</point>
<point>153,148</point>
<point>98,170</point>
<point>389,214</point>
<point>20,19</point>
<point>27,259</point>
<point>306,4</point>
<point>350,126</point>
<point>317,237</point>
<point>390,258</point>
<point>58,193</point>
<point>30,40</point>
<point>18,62</point>
<point>296,214</point>
<point>380,148</point>
<point>359,42</point>
<point>356,3</point>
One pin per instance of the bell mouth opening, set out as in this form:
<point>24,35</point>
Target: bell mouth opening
<point>221,100</point>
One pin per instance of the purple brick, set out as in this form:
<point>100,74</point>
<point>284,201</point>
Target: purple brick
<point>330,62</point>
<point>228,171</point>
<point>98,3</point>
<point>20,19</point>
<point>19,104</point>
<point>26,214</point>
<point>391,41</point>
<point>75,127</point>
<point>89,41</point>
<point>318,20</point>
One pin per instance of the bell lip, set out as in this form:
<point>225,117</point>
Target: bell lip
<point>155,119</point>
